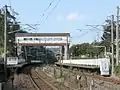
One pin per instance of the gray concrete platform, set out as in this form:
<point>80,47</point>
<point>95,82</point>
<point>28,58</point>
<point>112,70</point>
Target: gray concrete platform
<point>6,86</point>
<point>18,65</point>
<point>79,65</point>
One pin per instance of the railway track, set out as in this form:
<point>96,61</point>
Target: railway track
<point>26,83</point>
<point>31,79</point>
<point>93,79</point>
<point>107,79</point>
<point>38,82</point>
<point>22,81</point>
<point>98,77</point>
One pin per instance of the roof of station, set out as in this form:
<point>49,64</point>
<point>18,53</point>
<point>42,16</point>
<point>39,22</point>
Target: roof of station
<point>41,34</point>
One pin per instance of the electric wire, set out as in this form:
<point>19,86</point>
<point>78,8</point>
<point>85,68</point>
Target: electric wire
<point>15,13</point>
<point>43,14</point>
<point>49,5</point>
<point>52,9</point>
<point>85,32</point>
<point>50,12</point>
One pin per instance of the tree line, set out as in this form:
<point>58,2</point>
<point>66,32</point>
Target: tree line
<point>89,51</point>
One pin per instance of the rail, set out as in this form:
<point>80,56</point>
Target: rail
<point>34,83</point>
<point>39,83</point>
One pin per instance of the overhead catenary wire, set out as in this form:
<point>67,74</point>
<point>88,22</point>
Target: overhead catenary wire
<point>49,6</point>
<point>12,10</point>
<point>31,26</point>
<point>52,10</point>
<point>50,13</point>
<point>43,14</point>
<point>85,33</point>
<point>99,29</point>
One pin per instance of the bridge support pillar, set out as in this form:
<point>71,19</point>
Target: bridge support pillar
<point>61,52</point>
<point>66,55</point>
<point>19,50</point>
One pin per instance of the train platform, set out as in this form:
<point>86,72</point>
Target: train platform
<point>16,65</point>
<point>78,65</point>
<point>36,61</point>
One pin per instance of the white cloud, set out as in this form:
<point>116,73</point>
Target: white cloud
<point>75,16</point>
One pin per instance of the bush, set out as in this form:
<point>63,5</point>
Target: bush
<point>117,70</point>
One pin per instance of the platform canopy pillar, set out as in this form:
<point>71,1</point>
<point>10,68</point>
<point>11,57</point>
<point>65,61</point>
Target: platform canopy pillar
<point>66,48</point>
<point>66,52</point>
<point>19,50</point>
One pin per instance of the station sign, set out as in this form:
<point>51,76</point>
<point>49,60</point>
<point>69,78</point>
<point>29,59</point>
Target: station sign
<point>42,40</point>
<point>12,60</point>
<point>104,67</point>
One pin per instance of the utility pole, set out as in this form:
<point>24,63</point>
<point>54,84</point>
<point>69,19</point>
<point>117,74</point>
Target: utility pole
<point>117,37</point>
<point>112,43</point>
<point>5,41</point>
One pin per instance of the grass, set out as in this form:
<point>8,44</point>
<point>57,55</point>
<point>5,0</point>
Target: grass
<point>117,70</point>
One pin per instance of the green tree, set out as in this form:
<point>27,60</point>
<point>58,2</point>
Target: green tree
<point>10,27</point>
<point>85,49</point>
<point>106,37</point>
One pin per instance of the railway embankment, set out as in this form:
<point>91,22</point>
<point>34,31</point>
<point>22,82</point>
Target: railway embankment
<point>77,79</point>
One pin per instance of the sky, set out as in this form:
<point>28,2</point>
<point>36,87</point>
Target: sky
<point>69,16</point>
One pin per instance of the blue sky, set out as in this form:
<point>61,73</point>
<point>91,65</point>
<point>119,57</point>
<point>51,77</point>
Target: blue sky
<point>68,16</point>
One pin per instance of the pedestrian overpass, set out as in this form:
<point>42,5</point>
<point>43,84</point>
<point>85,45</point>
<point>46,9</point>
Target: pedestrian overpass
<point>44,39</point>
